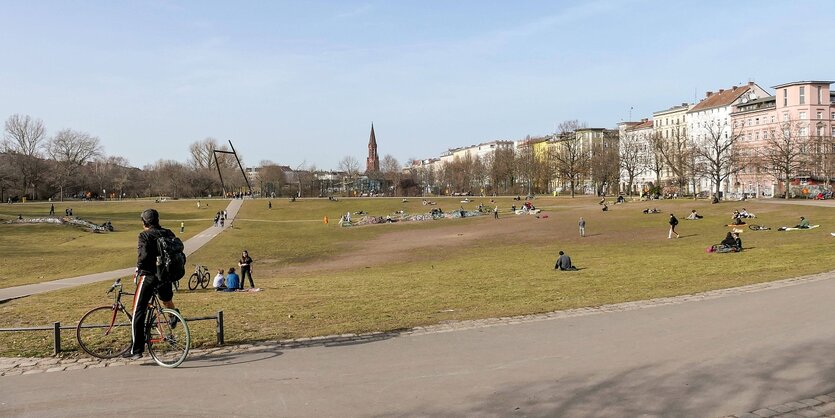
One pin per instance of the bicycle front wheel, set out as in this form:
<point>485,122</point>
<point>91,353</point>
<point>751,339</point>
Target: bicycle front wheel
<point>193,281</point>
<point>168,345</point>
<point>104,332</point>
<point>754,227</point>
<point>206,279</point>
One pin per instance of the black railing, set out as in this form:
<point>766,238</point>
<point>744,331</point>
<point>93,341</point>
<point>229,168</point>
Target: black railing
<point>56,329</point>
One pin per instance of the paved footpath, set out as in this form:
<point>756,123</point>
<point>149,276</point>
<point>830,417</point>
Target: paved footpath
<point>756,351</point>
<point>191,245</point>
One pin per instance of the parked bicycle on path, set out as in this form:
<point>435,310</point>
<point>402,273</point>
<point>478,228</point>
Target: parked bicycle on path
<point>105,332</point>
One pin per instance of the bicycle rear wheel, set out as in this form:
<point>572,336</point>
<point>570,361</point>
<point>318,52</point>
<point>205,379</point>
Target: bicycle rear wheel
<point>104,332</point>
<point>168,345</point>
<point>206,279</point>
<point>193,281</point>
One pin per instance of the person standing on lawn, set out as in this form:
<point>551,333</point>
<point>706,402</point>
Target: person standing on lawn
<point>245,264</point>
<point>582,227</point>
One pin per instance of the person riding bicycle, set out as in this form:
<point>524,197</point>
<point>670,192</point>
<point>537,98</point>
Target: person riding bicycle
<point>147,281</point>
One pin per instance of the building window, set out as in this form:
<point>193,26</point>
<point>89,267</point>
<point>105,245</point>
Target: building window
<point>820,97</point>
<point>765,134</point>
<point>785,116</point>
<point>785,97</point>
<point>772,119</point>
<point>802,115</point>
<point>757,136</point>
<point>757,121</point>
<point>820,131</point>
<point>801,131</point>
<point>820,114</point>
<point>802,95</point>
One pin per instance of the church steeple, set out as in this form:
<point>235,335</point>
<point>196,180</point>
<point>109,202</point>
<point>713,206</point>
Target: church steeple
<point>372,163</point>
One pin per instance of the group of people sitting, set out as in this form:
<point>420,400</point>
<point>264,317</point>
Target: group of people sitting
<point>653,210</point>
<point>731,244</point>
<point>739,215</point>
<point>230,283</point>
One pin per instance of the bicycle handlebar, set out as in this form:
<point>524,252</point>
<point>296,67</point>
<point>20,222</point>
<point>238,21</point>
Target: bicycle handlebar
<point>117,283</point>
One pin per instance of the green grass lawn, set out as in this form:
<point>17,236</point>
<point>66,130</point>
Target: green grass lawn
<point>507,270</point>
<point>32,253</point>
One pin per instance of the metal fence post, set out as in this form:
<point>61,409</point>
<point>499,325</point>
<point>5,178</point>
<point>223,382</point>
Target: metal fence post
<point>219,327</point>
<point>56,335</point>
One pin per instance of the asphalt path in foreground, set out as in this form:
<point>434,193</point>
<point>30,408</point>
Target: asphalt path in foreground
<point>705,358</point>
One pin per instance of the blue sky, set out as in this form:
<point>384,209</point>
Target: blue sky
<point>301,82</point>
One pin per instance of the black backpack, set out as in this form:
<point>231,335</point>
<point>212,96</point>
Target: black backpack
<point>171,262</point>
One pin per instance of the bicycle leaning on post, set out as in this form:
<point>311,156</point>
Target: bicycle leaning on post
<point>105,332</point>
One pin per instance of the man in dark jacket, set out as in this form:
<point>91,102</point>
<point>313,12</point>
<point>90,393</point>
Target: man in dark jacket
<point>673,223</point>
<point>147,281</point>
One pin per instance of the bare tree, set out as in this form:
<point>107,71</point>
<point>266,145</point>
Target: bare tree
<point>500,169</point>
<point>526,164</point>
<point>24,141</point>
<point>170,178</point>
<point>571,157</point>
<point>678,151</point>
<point>631,161</point>
<point>391,170</point>
<point>604,163</point>
<point>272,178</point>
<point>655,157</point>
<point>784,152</point>
<point>718,153</point>
<point>71,150</point>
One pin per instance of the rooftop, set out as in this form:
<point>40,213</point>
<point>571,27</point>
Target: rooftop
<point>794,83</point>
<point>721,99</point>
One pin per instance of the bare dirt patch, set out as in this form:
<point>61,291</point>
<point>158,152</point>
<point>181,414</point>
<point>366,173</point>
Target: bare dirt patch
<point>397,245</point>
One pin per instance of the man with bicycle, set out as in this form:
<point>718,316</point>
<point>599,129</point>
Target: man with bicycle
<point>147,281</point>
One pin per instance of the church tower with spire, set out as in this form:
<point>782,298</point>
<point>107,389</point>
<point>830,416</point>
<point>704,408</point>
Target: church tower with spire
<point>372,163</point>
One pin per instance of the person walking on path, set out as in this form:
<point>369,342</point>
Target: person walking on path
<point>673,223</point>
<point>270,204</point>
<point>246,269</point>
<point>52,210</point>
<point>582,227</point>
<point>182,227</point>
<point>496,212</point>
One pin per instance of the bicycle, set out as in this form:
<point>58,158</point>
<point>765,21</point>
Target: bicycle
<point>201,277</point>
<point>105,332</point>
<point>755,227</point>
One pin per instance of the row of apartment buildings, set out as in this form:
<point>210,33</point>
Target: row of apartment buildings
<point>747,117</point>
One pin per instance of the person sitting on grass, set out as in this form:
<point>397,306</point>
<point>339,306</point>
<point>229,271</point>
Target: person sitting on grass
<point>737,241</point>
<point>694,215</point>
<point>219,282</point>
<point>232,281</point>
<point>564,263</point>
<point>727,245</point>
<point>804,223</point>
<point>736,219</point>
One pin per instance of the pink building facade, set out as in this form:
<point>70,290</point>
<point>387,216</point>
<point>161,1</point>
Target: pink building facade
<point>802,109</point>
